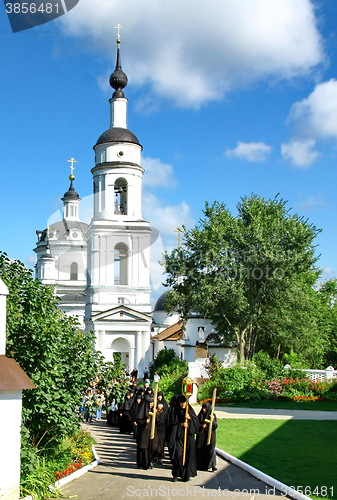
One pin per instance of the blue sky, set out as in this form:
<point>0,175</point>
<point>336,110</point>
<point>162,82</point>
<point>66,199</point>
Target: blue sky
<point>227,97</point>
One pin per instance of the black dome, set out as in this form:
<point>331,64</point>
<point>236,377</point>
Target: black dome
<point>71,194</point>
<point>161,302</point>
<point>118,80</point>
<point>117,134</point>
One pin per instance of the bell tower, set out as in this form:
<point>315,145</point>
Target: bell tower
<point>118,288</point>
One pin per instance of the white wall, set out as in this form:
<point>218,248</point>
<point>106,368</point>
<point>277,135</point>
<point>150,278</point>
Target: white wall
<point>10,439</point>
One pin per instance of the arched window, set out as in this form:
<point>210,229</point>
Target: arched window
<point>74,271</point>
<point>121,264</point>
<point>121,196</point>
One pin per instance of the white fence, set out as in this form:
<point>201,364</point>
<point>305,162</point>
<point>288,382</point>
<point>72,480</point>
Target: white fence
<point>328,375</point>
<point>197,369</point>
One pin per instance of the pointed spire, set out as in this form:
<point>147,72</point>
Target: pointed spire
<point>118,79</point>
<point>71,194</point>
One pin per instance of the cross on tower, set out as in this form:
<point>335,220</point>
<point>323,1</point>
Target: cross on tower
<point>179,230</point>
<point>118,27</point>
<point>72,161</point>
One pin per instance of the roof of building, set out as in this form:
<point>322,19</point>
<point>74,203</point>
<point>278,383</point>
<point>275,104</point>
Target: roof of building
<point>173,332</point>
<point>118,80</point>
<point>60,230</point>
<point>12,376</point>
<point>160,305</point>
<point>71,194</point>
<point>117,134</point>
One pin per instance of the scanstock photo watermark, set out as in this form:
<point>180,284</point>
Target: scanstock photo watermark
<point>24,15</point>
<point>202,492</point>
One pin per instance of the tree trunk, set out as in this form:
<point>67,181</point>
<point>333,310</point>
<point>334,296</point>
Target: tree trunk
<point>242,346</point>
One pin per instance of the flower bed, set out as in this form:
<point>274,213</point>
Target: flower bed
<point>293,389</point>
<point>69,470</point>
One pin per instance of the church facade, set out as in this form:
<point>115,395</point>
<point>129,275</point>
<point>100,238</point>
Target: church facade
<point>101,271</point>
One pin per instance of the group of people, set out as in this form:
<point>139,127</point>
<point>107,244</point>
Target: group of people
<point>190,443</point>
<point>92,404</point>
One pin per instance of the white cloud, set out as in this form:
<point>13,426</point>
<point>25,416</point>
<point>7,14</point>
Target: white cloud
<point>328,273</point>
<point>157,173</point>
<point>300,152</point>
<point>165,218</point>
<point>193,51</point>
<point>31,260</point>
<point>251,151</point>
<point>316,116</point>
<point>312,203</point>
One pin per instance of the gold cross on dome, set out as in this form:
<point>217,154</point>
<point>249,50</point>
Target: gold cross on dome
<point>179,230</point>
<point>72,161</point>
<point>118,27</point>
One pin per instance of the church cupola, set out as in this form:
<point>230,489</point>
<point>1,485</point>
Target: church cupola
<point>71,198</point>
<point>118,173</point>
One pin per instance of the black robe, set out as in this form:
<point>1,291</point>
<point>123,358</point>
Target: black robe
<point>206,456</point>
<point>176,433</point>
<point>160,437</point>
<point>144,443</point>
<point>134,412</point>
<point>125,424</point>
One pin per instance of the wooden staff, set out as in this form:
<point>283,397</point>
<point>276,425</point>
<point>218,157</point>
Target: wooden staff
<point>154,411</point>
<point>185,430</point>
<point>211,418</point>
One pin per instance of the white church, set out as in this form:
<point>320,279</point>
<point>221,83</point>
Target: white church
<point>101,271</point>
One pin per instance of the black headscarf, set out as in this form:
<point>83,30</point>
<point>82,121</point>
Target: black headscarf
<point>202,416</point>
<point>128,402</point>
<point>144,408</point>
<point>163,400</point>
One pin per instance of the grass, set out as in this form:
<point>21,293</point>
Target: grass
<point>299,453</point>
<point>287,405</point>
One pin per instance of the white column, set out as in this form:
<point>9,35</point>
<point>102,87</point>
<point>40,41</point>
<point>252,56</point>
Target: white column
<point>118,112</point>
<point>3,296</point>
<point>138,348</point>
<point>132,358</point>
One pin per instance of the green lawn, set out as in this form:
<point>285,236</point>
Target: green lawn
<point>287,405</point>
<point>299,453</point>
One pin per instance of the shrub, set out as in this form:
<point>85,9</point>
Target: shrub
<point>230,382</point>
<point>170,385</point>
<point>167,363</point>
<point>272,368</point>
<point>257,381</point>
<point>46,466</point>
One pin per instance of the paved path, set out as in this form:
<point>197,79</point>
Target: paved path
<point>118,478</point>
<point>228,412</point>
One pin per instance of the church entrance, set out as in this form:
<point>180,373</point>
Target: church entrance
<point>122,346</point>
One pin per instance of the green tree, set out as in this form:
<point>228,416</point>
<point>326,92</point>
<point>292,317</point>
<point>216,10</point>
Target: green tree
<point>231,268</point>
<point>295,322</point>
<point>112,381</point>
<point>52,350</point>
<point>327,294</point>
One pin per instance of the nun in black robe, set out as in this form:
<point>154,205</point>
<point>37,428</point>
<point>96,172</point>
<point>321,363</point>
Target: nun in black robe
<point>159,441</point>
<point>169,423</point>
<point>176,432</point>
<point>125,424</point>
<point>134,412</point>
<point>161,399</point>
<point>144,444</point>
<point>206,456</point>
